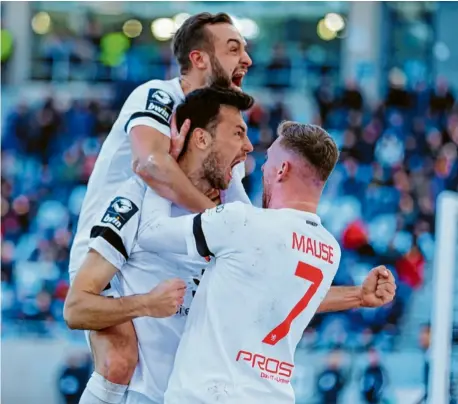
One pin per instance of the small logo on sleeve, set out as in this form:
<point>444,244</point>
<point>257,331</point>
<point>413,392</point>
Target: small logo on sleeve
<point>120,212</point>
<point>160,104</point>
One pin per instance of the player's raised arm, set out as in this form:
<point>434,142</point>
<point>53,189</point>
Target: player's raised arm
<point>149,127</point>
<point>378,289</point>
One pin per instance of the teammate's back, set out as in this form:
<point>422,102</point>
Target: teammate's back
<point>272,270</point>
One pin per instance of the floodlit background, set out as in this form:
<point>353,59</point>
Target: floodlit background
<point>381,77</point>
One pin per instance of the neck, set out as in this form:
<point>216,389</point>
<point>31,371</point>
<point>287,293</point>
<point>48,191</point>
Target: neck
<point>306,199</point>
<point>191,81</point>
<point>194,171</point>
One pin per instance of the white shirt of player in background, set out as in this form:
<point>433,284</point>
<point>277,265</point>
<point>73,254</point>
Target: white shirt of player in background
<point>272,270</point>
<point>151,104</point>
<point>115,236</point>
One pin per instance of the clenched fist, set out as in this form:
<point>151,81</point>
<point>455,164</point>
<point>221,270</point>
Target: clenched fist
<point>379,287</point>
<point>165,299</point>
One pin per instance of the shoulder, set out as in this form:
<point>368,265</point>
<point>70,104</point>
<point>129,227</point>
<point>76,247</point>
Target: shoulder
<point>231,216</point>
<point>331,240</point>
<point>161,91</point>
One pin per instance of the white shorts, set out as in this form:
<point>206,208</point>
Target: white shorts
<point>132,397</point>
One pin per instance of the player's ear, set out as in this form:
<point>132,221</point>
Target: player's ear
<point>201,138</point>
<point>199,59</point>
<point>283,171</point>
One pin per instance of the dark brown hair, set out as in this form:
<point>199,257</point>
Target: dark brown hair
<point>203,106</point>
<point>312,143</point>
<point>194,35</point>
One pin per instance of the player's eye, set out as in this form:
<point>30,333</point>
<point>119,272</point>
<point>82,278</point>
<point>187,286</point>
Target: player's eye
<point>234,50</point>
<point>239,134</point>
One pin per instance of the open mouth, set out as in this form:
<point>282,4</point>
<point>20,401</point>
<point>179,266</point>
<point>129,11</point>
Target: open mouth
<point>234,163</point>
<point>237,78</point>
<point>237,161</point>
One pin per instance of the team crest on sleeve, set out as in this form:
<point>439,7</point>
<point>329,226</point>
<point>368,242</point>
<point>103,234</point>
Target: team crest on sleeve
<point>120,211</point>
<point>160,104</point>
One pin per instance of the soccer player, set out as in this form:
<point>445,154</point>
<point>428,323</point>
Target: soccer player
<point>272,269</point>
<point>207,47</point>
<point>216,144</point>
<point>216,141</point>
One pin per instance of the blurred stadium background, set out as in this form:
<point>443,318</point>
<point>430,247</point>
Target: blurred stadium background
<point>381,77</point>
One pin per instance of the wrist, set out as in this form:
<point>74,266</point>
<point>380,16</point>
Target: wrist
<point>360,298</point>
<point>143,306</point>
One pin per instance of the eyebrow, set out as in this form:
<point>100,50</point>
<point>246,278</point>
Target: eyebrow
<point>237,41</point>
<point>242,128</point>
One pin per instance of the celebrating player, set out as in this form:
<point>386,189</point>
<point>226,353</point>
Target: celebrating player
<point>272,269</point>
<point>216,142</point>
<point>207,47</point>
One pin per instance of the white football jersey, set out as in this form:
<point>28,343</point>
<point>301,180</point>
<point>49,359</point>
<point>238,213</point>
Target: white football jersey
<point>116,236</point>
<point>272,269</point>
<point>150,104</point>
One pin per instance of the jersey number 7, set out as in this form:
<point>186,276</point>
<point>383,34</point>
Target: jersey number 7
<point>311,274</point>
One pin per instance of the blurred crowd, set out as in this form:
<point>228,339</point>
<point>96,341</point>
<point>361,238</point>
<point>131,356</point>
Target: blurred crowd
<point>395,159</point>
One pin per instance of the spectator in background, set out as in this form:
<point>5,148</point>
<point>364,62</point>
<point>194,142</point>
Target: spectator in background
<point>49,121</point>
<point>397,96</point>
<point>279,69</point>
<point>278,113</point>
<point>374,380</point>
<point>325,98</point>
<point>331,381</point>
<point>442,98</point>
<point>21,128</point>
<point>351,96</point>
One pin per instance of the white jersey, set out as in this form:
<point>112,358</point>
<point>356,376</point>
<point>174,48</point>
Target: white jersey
<point>272,270</point>
<point>150,104</point>
<point>116,237</point>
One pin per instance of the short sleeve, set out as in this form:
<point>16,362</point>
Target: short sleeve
<point>114,234</point>
<point>150,104</point>
<point>219,231</point>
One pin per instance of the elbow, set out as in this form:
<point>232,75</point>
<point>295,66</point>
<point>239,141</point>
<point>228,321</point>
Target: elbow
<point>154,168</point>
<point>72,314</point>
<point>148,167</point>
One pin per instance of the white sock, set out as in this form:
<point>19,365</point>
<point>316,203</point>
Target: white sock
<point>101,391</point>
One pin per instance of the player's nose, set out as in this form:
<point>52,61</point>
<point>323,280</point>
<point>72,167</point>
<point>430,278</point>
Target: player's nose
<point>247,145</point>
<point>246,60</point>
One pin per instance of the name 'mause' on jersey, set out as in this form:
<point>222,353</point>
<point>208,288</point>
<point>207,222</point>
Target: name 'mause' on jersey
<point>272,270</point>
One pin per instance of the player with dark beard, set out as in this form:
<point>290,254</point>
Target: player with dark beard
<point>206,46</point>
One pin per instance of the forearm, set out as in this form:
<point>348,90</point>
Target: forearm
<point>341,298</point>
<point>88,311</point>
<point>164,175</point>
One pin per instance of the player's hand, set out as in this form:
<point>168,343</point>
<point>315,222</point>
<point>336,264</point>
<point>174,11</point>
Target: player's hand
<point>177,137</point>
<point>214,195</point>
<point>165,299</point>
<point>379,287</point>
